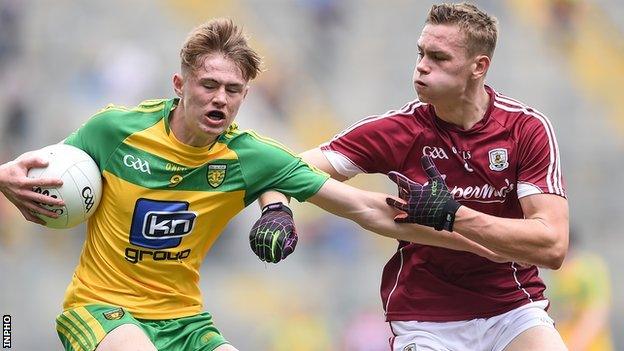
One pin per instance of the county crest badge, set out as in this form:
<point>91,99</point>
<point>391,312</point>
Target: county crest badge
<point>216,175</point>
<point>410,347</point>
<point>498,159</point>
<point>114,315</point>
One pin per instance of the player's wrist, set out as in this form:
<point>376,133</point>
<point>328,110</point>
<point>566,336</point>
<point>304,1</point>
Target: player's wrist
<point>449,212</point>
<point>277,206</point>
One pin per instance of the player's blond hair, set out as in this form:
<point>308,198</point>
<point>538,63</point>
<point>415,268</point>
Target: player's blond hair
<point>480,28</point>
<point>220,36</point>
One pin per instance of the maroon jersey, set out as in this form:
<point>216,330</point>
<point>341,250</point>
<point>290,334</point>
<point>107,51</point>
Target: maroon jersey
<point>511,153</point>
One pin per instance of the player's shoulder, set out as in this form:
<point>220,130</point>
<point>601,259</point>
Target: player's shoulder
<point>250,143</point>
<point>411,111</point>
<point>404,119</point>
<point>112,114</point>
<point>514,114</point>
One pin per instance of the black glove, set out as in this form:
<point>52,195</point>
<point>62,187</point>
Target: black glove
<point>274,236</point>
<point>431,204</point>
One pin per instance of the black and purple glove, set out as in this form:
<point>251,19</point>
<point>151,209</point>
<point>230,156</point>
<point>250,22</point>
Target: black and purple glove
<point>431,204</point>
<point>274,236</point>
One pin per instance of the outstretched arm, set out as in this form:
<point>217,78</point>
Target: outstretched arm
<point>18,188</point>
<point>370,211</point>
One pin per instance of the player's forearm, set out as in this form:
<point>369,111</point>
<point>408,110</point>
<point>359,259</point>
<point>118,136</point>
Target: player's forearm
<point>371,212</point>
<point>272,196</point>
<point>381,221</point>
<point>531,240</point>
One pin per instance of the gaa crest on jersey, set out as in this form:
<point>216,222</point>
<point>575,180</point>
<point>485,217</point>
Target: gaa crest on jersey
<point>410,347</point>
<point>114,314</point>
<point>498,159</point>
<point>216,175</point>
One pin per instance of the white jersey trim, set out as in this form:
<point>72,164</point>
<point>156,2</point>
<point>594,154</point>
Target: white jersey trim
<point>395,283</point>
<point>341,163</point>
<point>525,189</point>
<point>553,177</point>
<point>408,108</point>
<point>520,287</point>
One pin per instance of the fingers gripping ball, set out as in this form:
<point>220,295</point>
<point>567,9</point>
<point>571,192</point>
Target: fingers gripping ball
<point>431,204</point>
<point>82,184</point>
<point>274,236</point>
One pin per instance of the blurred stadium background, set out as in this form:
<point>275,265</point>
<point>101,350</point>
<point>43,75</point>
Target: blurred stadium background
<point>328,63</point>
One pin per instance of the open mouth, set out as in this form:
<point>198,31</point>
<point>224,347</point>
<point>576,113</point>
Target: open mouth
<point>420,82</point>
<point>216,115</point>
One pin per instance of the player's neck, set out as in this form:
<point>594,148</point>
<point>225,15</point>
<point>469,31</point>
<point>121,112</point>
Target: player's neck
<point>466,110</point>
<point>182,132</point>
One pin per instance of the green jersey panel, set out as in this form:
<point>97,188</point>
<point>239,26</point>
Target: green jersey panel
<point>266,165</point>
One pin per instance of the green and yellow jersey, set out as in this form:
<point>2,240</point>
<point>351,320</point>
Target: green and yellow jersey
<point>583,281</point>
<point>164,203</point>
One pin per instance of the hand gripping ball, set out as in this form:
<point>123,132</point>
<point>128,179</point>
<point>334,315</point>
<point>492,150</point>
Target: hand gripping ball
<point>82,184</point>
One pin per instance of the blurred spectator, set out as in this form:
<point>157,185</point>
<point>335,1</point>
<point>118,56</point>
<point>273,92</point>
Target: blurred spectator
<point>367,331</point>
<point>563,13</point>
<point>127,71</point>
<point>15,125</point>
<point>326,17</point>
<point>564,21</point>
<point>301,331</point>
<point>10,38</point>
<point>334,237</point>
<point>581,299</point>
<point>275,89</point>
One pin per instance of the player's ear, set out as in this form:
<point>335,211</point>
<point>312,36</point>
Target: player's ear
<point>246,91</point>
<point>178,83</point>
<point>480,66</point>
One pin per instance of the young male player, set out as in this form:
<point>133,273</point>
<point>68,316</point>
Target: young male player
<point>468,161</point>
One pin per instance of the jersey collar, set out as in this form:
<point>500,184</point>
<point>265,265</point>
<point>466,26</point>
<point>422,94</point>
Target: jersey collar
<point>477,127</point>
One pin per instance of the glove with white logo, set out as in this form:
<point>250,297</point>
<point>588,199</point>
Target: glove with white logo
<point>430,204</point>
<point>274,236</point>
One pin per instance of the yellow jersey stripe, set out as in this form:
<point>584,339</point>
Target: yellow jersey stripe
<point>65,326</point>
<point>69,337</point>
<point>85,324</point>
<point>155,141</point>
<point>72,321</point>
<point>92,323</point>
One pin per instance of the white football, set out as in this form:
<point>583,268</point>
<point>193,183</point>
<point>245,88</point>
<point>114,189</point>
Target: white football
<point>82,184</point>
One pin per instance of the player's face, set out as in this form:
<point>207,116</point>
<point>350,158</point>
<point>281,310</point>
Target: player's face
<point>444,66</point>
<point>211,95</point>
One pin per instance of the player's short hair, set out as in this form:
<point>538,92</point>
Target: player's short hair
<point>480,28</point>
<point>222,36</point>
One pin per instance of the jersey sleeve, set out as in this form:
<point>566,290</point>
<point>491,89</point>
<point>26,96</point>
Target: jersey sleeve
<point>377,144</point>
<point>539,163</point>
<point>96,136</point>
<point>267,165</point>
<point>104,131</point>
